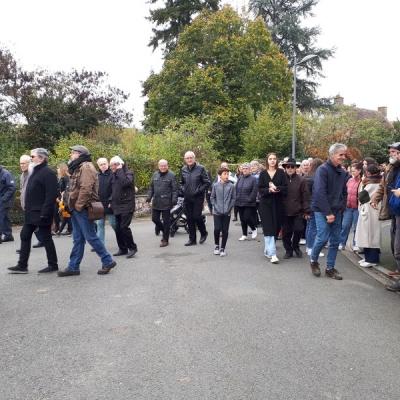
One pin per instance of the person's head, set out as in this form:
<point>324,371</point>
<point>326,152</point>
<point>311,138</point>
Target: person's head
<point>224,164</point>
<point>356,169</point>
<point>246,169</point>
<point>315,163</point>
<point>116,162</point>
<point>24,162</point>
<point>77,151</point>
<point>163,166</point>
<point>39,156</point>
<point>272,161</point>
<point>102,163</point>
<point>290,166</point>
<point>367,161</point>
<point>394,152</point>
<point>337,154</point>
<point>189,158</point>
<point>62,170</point>
<point>255,167</point>
<point>305,166</point>
<point>373,170</point>
<point>223,173</point>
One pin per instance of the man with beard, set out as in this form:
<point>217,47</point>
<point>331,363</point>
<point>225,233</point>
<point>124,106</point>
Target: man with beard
<point>82,191</point>
<point>383,195</point>
<point>39,197</point>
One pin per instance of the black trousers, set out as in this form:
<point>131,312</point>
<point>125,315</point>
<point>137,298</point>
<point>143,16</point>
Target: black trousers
<point>163,225</point>
<point>193,211</point>
<point>44,232</point>
<point>292,229</point>
<point>247,218</point>
<point>123,232</point>
<point>221,224</point>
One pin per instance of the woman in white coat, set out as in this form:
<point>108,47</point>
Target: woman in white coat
<point>368,232</point>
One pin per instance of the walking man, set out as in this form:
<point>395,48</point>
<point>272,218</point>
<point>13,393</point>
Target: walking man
<point>328,203</point>
<point>164,192</point>
<point>7,191</point>
<point>194,183</point>
<point>38,201</point>
<point>83,189</point>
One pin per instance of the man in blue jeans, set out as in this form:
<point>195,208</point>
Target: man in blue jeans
<point>328,202</point>
<point>83,189</point>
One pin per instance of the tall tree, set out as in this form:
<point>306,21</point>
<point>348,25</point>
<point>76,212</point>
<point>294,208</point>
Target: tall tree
<point>52,105</point>
<point>284,20</point>
<point>171,19</point>
<point>223,65</point>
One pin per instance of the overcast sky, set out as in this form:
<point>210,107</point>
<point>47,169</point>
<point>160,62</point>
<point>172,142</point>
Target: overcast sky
<point>112,36</point>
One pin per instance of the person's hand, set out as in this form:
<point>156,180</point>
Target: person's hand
<point>306,216</point>
<point>396,192</point>
<point>374,205</point>
<point>330,218</point>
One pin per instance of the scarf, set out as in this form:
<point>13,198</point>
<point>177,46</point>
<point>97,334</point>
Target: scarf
<point>73,165</point>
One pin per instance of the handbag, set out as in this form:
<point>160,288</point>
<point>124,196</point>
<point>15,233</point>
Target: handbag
<point>95,211</point>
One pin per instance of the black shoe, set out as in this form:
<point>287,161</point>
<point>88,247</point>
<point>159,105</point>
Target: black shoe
<point>18,251</point>
<point>68,272</point>
<point>120,253</point>
<point>394,287</point>
<point>315,268</point>
<point>190,243</point>
<point>18,270</point>
<point>234,219</point>
<point>203,238</point>
<point>288,255</point>
<point>299,253</point>
<point>37,245</point>
<point>333,273</point>
<point>105,269</point>
<point>131,253</point>
<point>8,238</point>
<point>48,269</point>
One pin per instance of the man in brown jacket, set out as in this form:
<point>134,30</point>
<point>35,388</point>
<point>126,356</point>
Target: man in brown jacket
<point>83,189</point>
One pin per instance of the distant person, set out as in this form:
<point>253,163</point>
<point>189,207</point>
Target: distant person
<point>7,192</point>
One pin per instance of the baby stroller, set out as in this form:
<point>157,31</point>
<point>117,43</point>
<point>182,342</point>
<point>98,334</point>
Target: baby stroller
<point>178,218</point>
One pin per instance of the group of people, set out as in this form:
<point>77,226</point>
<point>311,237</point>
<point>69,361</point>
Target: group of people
<point>321,201</point>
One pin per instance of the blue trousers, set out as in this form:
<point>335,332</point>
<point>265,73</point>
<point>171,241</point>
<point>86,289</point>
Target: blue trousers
<point>350,218</point>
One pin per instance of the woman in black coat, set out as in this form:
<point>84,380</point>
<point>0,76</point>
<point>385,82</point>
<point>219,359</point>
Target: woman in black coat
<point>272,187</point>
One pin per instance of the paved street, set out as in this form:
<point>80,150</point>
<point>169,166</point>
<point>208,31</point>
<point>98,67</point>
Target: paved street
<point>181,323</point>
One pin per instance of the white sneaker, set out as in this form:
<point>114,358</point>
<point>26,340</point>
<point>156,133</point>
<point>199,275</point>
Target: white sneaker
<point>274,260</point>
<point>302,242</point>
<point>321,254</point>
<point>341,247</point>
<point>365,264</point>
<point>216,251</point>
<point>362,260</point>
<point>309,251</point>
<point>267,255</point>
<point>243,238</point>
<point>254,234</point>
<point>222,253</point>
<point>356,248</point>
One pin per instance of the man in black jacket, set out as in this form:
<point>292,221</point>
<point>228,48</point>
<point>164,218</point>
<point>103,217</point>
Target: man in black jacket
<point>194,183</point>
<point>164,192</point>
<point>40,196</point>
<point>123,206</point>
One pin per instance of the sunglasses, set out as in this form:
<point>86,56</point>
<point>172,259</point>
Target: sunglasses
<point>290,167</point>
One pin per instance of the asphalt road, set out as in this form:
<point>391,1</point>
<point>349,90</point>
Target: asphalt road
<point>181,323</point>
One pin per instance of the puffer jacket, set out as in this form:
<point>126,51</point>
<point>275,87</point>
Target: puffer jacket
<point>163,190</point>
<point>194,182</point>
<point>246,191</point>
<point>83,187</point>
<point>223,196</point>
<point>123,191</point>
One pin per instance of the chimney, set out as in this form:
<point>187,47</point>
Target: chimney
<point>338,100</point>
<point>383,111</point>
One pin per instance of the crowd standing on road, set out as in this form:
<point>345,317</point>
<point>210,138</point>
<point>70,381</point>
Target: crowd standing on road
<point>326,203</point>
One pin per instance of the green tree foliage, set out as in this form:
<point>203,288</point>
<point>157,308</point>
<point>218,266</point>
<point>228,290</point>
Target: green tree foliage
<point>365,133</point>
<point>284,20</point>
<point>173,17</point>
<point>53,105</point>
<point>223,65</point>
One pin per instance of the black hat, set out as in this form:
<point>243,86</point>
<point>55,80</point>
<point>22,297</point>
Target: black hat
<point>290,161</point>
<point>395,146</point>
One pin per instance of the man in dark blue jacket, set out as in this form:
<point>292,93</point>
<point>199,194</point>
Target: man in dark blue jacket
<point>328,202</point>
<point>7,191</point>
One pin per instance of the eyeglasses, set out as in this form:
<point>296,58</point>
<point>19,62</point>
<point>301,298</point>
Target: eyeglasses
<point>33,156</point>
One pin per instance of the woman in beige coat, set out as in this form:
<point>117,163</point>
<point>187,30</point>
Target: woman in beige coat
<point>368,232</point>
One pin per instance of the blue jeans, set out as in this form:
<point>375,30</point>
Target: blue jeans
<point>327,232</point>
<point>311,231</point>
<point>270,247</point>
<point>350,218</point>
<point>84,230</point>
<point>101,223</point>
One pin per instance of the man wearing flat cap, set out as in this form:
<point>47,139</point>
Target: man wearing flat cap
<point>83,190</point>
<point>40,196</point>
<point>386,189</point>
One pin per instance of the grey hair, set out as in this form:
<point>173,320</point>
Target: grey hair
<point>335,148</point>
<point>25,158</point>
<point>42,153</point>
